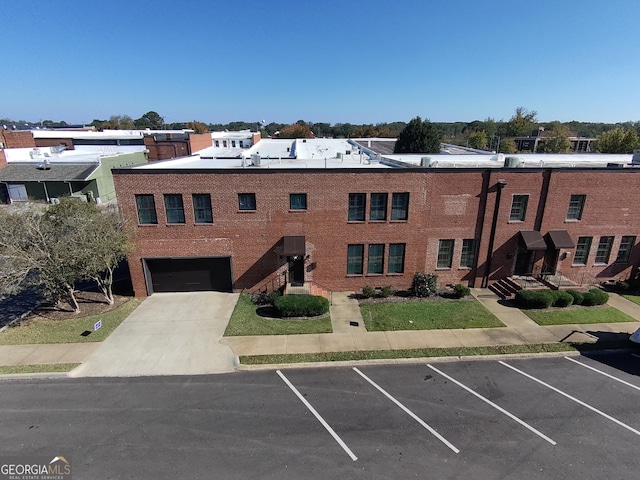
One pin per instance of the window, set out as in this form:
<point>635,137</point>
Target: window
<point>247,201</point>
<point>518,208</point>
<point>445,253</point>
<point>624,252</point>
<point>396,258</point>
<point>468,255</point>
<point>146,209</point>
<point>355,255</point>
<point>378,206</point>
<point>376,258</point>
<point>582,251</point>
<point>357,206</point>
<point>174,208</point>
<point>224,143</point>
<point>297,201</point>
<point>233,143</point>
<point>604,250</point>
<point>202,208</point>
<point>576,205</point>
<point>400,206</point>
<point>217,143</point>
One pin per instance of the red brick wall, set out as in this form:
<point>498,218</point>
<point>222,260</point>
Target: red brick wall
<point>3,159</point>
<point>444,204</point>
<point>165,150</point>
<point>17,138</point>
<point>199,141</point>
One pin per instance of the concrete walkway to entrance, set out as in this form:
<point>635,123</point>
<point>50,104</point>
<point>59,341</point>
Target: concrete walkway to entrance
<point>168,334</point>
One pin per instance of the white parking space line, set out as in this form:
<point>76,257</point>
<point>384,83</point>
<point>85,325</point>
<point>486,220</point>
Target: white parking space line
<point>603,373</point>
<point>635,355</point>
<point>407,411</point>
<point>580,402</point>
<point>497,407</point>
<point>317,415</point>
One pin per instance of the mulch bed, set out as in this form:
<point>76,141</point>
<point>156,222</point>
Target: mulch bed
<point>91,303</point>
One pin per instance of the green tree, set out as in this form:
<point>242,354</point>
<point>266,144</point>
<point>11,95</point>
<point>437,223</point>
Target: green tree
<point>151,120</point>
<point>478,139</point>
<point>556,140</point>
<point>507,145</point>
<point>58,246</point>
<point>522,123</point>
<point>618,140</point>
<point>296,130</point>
<point>418,137</point>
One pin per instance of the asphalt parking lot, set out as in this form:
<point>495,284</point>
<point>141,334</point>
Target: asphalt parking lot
<point>540,418</point>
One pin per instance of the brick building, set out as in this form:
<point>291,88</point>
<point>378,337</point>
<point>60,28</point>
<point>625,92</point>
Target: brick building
<point>343,223</point>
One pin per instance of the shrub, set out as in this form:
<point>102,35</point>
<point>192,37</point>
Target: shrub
<point>562,299</point>
<point>265,298</point>
<point>621,286</point>
<point>530,299</point>
<point>368,291</point>
<point>387,291</point>
<point>595,296</point>
<point>424,284</point>
<point>577,296</point>
<point>460,291</point>
<point>301,305</point>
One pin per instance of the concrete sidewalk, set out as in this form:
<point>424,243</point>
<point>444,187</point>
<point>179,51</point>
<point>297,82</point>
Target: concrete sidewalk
<point>519,329</point>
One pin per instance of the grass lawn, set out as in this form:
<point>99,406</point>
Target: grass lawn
<point>427,315</point>
<point>563,316</point>
<point>246,321</point>
<point>409,353</point>
<point>633,298</point>
<point>42,330</point>
<point>45,368</point>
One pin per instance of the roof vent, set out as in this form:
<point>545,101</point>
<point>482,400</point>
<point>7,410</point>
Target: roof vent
<point>636,158</point>
<point>425,161</point>
<point>255,159</point>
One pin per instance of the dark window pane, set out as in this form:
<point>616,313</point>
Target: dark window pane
<point>376,258</point>
<point>355,254</point>
<point>378,206</point>
<point>174,208</point>
<point>624,252</point>
<point>604,250</point>
<point>396,258</point>
<point>357,206</point>
<point>146,209</point>
<point>297,201</point>
<point>445,253</point>
<point>468,255</point>
<point>400,206</point>
<point>576,206</point>
<point>519,208</point>
<point>247,201</point>
<point>202,208</point>
<point>582,251</point>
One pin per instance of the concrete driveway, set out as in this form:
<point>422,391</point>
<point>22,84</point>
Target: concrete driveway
<point>168,334</point>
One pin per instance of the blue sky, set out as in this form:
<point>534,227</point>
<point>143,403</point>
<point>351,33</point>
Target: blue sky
<point>357,61</point>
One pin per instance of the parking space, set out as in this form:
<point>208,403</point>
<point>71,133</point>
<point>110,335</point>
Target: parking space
<point>541,418</point>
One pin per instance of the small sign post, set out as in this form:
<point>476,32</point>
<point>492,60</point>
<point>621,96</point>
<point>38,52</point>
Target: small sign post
<point>97,325</point>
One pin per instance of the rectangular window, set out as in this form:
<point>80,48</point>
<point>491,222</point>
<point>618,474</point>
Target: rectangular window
<point>233,143</point>
<point>247,201</point>
<point>576,206</point>
<point>297,201</point>
<point>355,259</point>
<point>624,252</point>
<point>146,209</point>
<point>604,250</point>
<point>202,208</point>
<point>396,258</point>
<point>582,251</point>
<point>468,255</point>
<point>357,206</point>
<point>518,208</point>
<point>445,253</point>
<point>378,209</point>
<point>400,206</point>
<point>376,258</point>
<point>174,208</point>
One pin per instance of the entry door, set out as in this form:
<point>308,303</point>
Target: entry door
<point>550,262</point>
<point>296,270</point>
<point>523,262</point>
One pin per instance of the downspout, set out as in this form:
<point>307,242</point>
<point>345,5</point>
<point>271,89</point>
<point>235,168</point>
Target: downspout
<point>480,224</point>
<point>44,186</point>
<point>492,236</point>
